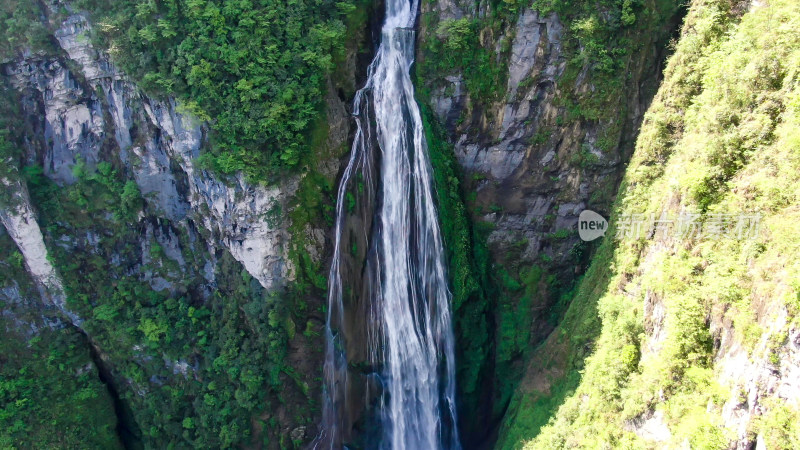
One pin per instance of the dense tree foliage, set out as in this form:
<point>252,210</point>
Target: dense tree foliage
<point>50,394</point>
<point>255,69</point>
<point>21,27</point>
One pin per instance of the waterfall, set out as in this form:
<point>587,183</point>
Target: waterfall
<point>407,303</point>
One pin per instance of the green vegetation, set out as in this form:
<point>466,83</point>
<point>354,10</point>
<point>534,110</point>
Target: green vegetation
<point>255,69</point>
<point>22,28</point>
<point>457,47</point>
<point>557,362</point>
<point>50,393</point>
<point>515,317</point>
<point>722,130</point>
<point>584,159</point>
<point>779,425</point>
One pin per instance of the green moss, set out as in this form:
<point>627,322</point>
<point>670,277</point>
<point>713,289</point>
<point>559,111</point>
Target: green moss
<point>468,262</point>
<point>584,159</point>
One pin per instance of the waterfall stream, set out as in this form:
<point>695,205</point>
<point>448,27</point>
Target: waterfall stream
<point>409,329</point>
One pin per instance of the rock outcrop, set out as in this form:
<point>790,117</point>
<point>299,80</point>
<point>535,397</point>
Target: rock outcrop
<point>157,143</point>
<point>20,222</point>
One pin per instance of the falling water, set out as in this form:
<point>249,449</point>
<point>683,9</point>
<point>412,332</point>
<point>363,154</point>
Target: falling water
<point>410,338</point>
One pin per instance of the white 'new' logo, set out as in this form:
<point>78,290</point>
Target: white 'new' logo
<point>591,225</point>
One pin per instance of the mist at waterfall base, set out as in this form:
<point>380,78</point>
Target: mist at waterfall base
<point>407,320</point>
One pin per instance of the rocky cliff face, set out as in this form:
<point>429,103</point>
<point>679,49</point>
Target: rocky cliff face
<point>531,158</point>
<point>157,143</point>
<point>20,223</point>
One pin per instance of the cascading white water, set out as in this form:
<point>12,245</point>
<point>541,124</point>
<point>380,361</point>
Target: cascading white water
<point>410,337</point>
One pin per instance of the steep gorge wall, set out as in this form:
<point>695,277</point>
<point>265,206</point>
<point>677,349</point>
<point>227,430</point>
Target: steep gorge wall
<point>539,106</point>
